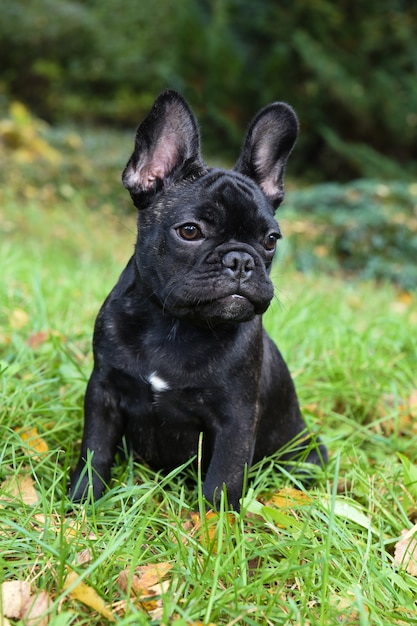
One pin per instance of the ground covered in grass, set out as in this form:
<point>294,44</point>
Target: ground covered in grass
<point>146,553</point>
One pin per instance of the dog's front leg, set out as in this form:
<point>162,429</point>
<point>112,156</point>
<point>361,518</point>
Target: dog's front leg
<point>103,431</point>
<point>232,453</point>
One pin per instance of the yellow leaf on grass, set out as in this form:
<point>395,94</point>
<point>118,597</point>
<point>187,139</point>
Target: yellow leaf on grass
<point>405,554</point>
<point>210,526</point>
<point>19,487</point>
<point>33,440</point>
<point>87,595</point>
<point>205,529</point>
<point>289,498</point>
<point>406,297</point>
<point>402,302</point>
<point>321,251</point>
<point>18,318</point>
<point>78,527</point>
<point>71,529</point>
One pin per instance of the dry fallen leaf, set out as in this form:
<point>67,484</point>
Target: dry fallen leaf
<point>87,595</point>
<point>37,339</point>
<point>84,556</point>
<point>399,414</point>
<point>36,607</point>
<point>147,586</point>
<point>405,554</point>
<point>346,607</point>
<point>69,528</point>
<point>314,408</point>
<point>412,403</point>
<point>15,594</point>
<point>19,487</point>
<point>143,578</point>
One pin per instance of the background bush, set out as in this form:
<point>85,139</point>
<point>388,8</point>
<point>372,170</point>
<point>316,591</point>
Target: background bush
<point>349,69</point>
<point>364,228</point>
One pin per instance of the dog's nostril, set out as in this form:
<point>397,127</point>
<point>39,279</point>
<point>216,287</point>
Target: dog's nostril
<point>239,263</point>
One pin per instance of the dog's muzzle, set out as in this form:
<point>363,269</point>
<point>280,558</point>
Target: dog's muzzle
<point>239,264</point>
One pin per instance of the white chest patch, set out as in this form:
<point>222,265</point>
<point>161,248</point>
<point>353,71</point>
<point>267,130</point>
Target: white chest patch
<point>157,383</point>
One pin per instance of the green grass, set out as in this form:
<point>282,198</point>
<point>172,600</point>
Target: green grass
<point>327,560</point>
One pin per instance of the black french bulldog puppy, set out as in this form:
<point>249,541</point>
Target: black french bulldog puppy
<point>179,347</point>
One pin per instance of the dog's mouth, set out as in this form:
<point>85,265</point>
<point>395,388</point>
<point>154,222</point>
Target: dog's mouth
<point>233,308</point>
<point>237,308</point>
<point>235,302</point>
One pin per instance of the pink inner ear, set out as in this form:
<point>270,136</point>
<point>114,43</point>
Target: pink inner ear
<point>161,163</point>
<point>269,187</point>
<point>164,157</point>
<point>152,166</point>
<point>265,170</point>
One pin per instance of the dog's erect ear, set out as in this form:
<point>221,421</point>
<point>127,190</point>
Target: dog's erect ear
<point>167,147</point>
<point>269,141</point>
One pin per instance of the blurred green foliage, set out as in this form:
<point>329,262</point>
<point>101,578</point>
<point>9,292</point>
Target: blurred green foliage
<point>364,228</point>
<point>349,69</point>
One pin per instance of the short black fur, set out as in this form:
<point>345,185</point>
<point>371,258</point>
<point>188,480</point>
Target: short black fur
<point>179,347</point>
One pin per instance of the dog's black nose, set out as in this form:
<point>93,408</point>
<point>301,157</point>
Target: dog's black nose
<point>239,264</point>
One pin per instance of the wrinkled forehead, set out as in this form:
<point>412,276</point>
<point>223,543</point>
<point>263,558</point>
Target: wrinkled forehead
<point>229,186</point>
<point>236,196</point>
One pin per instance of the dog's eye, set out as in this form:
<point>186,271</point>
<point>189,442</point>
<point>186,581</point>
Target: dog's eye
<point>190,232</point>
<point>270,241</point>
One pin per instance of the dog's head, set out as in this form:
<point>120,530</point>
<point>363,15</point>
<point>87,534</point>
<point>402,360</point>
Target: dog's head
<point>207,237</point>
